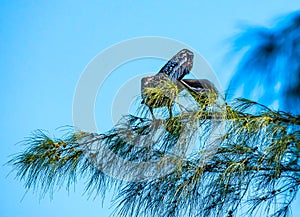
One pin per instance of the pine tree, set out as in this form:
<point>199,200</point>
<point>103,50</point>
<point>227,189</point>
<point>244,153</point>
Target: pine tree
<point>211,158</point>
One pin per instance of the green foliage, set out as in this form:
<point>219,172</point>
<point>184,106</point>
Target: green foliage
<point>219,161</point>
<point>162,94</point>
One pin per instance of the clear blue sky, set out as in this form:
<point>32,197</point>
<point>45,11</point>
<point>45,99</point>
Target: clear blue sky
<point>45,46</point>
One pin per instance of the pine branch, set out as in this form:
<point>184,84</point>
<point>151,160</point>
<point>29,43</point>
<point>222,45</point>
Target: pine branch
<point>250,165</point>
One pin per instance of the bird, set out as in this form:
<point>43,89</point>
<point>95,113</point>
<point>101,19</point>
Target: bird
<point>179,65</point>
<point>158,91</point>
<point>202,90</point>
<point>174,70</point>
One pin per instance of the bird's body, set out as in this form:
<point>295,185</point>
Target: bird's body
<point>161,89</point>
<point>153,94</point>
<point>152,82</point>
<point>175,69</point>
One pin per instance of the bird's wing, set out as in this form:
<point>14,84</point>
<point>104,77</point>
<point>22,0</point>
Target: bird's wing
<point>179,65</point>
<point>198,85</point>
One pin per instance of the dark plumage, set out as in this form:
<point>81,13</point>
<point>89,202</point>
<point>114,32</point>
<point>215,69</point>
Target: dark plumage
<point>175,69</point>
<point>198,85</point>
<point>168,83</point>
<point>179,65</point>
<point>203,91</point>
<point>156,100</point>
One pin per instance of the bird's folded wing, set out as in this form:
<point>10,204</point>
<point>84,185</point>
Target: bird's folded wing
<point>198,85</point>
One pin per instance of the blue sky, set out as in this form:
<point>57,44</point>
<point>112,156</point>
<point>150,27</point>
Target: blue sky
<point>45,46</point>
